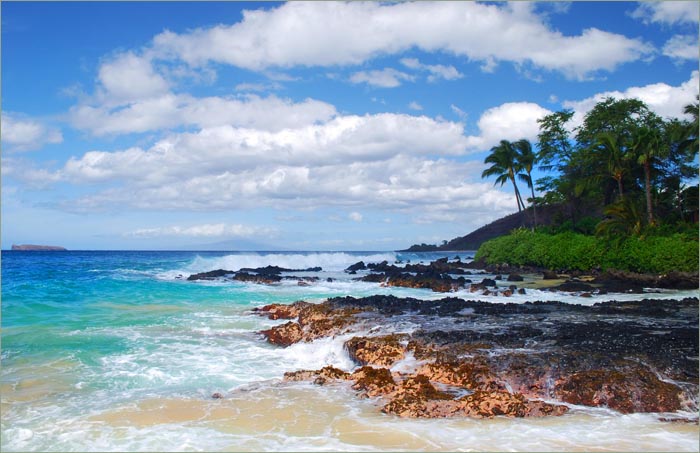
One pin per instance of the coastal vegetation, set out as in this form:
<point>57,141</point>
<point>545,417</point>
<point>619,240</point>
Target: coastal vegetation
<point>656,253</point>
<point>626,184</point>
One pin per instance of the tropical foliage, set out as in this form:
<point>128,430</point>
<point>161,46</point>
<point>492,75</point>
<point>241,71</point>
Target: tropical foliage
<point>574,251</point>
<point>630,170</point>
<point>621,154</point>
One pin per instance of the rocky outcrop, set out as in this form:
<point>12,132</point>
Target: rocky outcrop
<point>380,351</point>
<point>628,391</point>
<point>282,311</point>
<point>320,377</point>
<point>622,281</point>
<point>477,359</point>
<point>285,334</point>
<point>268,275</point>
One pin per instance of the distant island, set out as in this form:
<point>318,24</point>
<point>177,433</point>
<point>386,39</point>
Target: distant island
<point>41,248</point>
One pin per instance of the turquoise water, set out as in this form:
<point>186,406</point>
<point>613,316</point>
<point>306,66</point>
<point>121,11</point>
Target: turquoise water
<point>117,351</point>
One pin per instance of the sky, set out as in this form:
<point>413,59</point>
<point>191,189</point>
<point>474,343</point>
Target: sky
<point>302,126</point>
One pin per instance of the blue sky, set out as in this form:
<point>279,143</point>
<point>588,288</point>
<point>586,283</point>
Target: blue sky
<point>301,126</point>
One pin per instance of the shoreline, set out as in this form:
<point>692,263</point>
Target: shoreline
<point>541,357</point>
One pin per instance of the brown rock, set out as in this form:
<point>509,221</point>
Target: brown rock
<point>328,373</point>
<point>285,334</point>
<point>283,311</point>
<point>382,351</point>
<point>373,381</point>
<point>472,375</point>
<point>637,390</point>
<point>482,404</point>
<point>412,396</point>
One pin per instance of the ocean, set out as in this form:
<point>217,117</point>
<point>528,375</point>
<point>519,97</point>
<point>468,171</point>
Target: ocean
<point>117,351</point>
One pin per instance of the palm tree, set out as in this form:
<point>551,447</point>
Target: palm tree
<point>504,165</point>
<point>615,157</point>
<point>526,161</point>
<point>623,219</point>
<point>647,145</point>
<point>690,141</point>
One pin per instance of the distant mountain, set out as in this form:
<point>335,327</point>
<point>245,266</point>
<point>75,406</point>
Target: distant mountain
<point>500,227</point>
<point>41,248</point>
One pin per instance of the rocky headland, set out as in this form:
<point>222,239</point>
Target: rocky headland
<point>455,357</point>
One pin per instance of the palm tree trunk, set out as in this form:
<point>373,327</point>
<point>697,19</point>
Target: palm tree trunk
<point>517,194</point>
<point>534,207</point>
<point>647,183</point>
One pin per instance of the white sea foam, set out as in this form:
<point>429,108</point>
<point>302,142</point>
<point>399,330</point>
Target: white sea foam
<point>330,261</point>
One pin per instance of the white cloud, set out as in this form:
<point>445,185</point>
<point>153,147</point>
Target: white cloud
<point>171,110</point>
<point>129,77</point>
<point>342,140</point>
<point>378,161</point>
<point>682,47</point>
<point>666,100</point>
<point>385,78</point>
<point>205,230</point>
<point>409,185</point>
<point>335,33</point>
<point>413,105</point>
<point>355,216</point>
<point>667,12</point>
<point>20,133</point>
<point>437,71</point>
<point>509,121</point>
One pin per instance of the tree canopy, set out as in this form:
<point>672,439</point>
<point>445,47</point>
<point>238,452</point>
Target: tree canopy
<point>623,165</point>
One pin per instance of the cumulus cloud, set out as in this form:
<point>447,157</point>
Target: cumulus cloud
<point>413,105</point>
<point>130,77</point>
<point>342,140</point>
<point>384,78</point>
<point>20,133</point>
<point>682,47</point>
<point>382,161</point>
<point>404,184</point>
<point>509,121</point>
<point>665,100</point>
<point>335,33</point>
<point>666,12</point>
<point>172,110</point>
<point>205,230</point>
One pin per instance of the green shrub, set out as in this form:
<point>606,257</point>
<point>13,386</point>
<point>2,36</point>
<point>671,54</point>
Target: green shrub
<point>574,251</point>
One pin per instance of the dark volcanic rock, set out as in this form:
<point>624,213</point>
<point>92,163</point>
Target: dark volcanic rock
<point>621,281</point>
<point>211,275</point>
<point>573,287</point>
<point>549,275</point>
<point>359,266</point>
<point>276,270</point>
<point>268,279</point>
